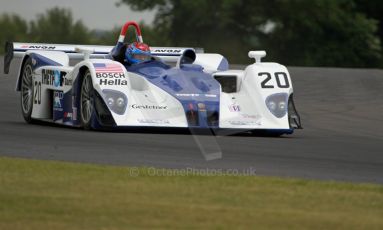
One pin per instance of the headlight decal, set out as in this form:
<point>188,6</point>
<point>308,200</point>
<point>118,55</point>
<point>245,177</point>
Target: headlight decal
<point>116,100</point>
<point>277,104</point>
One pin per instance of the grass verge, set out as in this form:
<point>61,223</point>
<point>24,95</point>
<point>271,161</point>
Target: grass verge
<point>56,195</point>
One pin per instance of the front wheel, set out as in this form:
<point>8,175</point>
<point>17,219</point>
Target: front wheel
<point>87,101</point>
<point>27,91</point>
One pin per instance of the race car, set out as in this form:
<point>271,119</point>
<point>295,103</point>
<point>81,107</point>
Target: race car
<point>170,87</point>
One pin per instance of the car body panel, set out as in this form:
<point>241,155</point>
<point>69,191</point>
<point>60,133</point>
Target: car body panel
<point>202,94</point>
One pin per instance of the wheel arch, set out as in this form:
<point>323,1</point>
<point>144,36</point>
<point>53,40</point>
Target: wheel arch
<point>20,72</point>
<point>41,58</point>
<point>81,73</point>
<point>102,117</point>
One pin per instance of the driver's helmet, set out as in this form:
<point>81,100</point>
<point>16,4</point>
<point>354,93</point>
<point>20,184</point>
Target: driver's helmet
<point>137,52</point>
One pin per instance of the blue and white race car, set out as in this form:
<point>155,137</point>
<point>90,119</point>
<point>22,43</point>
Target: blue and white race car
<point>132,85</point>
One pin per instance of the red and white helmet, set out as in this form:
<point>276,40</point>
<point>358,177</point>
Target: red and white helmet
<point>137,52</point>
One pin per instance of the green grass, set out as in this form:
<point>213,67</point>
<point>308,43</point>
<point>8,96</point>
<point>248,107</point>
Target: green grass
<point>56,195</point>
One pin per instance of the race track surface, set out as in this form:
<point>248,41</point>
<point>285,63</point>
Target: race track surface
<point>342,139</point>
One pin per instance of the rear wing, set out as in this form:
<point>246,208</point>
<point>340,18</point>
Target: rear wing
<point>18,50</point>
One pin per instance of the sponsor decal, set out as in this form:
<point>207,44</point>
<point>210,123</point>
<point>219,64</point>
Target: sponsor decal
<point>111,78</point>
<point>251,116</point>
<point>67,81</point>
<point>169,51</point>
<point>108,68</point>
<point>187,95</point>
<point>153,121</point>
<point>110,74</point>
<point>191,107</point>
<point>155,107</point>
<point>57,100</point>
<point>250,120</point>
<point>234,108</point>
<point>242,123</point>
<point>113,82</point>
<point>74,109</point>
<point>57,82</point>
<point>52,77</point>
<point>194,95</point>
<point>201,107</point>
<point>38,47</point>
<point>68,115</point>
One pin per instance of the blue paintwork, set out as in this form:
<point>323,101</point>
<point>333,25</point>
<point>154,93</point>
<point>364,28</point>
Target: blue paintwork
<point>223,65</point>
<point>188,84</point>
<point>42,61</point>
<point>68,112</point>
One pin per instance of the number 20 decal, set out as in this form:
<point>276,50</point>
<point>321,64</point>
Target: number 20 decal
<point>37,93</point>
<point>278,75</point>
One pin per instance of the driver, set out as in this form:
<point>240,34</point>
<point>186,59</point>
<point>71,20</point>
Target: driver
<point>137,52</point>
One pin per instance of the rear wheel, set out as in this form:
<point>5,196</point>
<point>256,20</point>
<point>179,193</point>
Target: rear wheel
<point>27,91</point>
<point>87,101</point>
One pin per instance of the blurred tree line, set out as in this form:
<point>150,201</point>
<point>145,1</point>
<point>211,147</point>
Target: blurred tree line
<point>294,32</point>
<point>344,33</point>
<point>58,26</point>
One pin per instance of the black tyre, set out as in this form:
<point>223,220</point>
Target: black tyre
<point>27,91</point>
<point>87,101</point>
<point>266,133</point>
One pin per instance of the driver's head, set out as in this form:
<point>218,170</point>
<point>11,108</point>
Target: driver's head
<point>137,52</point>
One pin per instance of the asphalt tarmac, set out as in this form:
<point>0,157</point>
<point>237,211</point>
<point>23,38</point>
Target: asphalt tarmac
<point>342,139</point>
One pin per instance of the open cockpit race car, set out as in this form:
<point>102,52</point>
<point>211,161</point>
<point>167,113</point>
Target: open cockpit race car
<point>173,88</point>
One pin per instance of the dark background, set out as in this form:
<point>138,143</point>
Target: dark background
<point>337,33</point>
